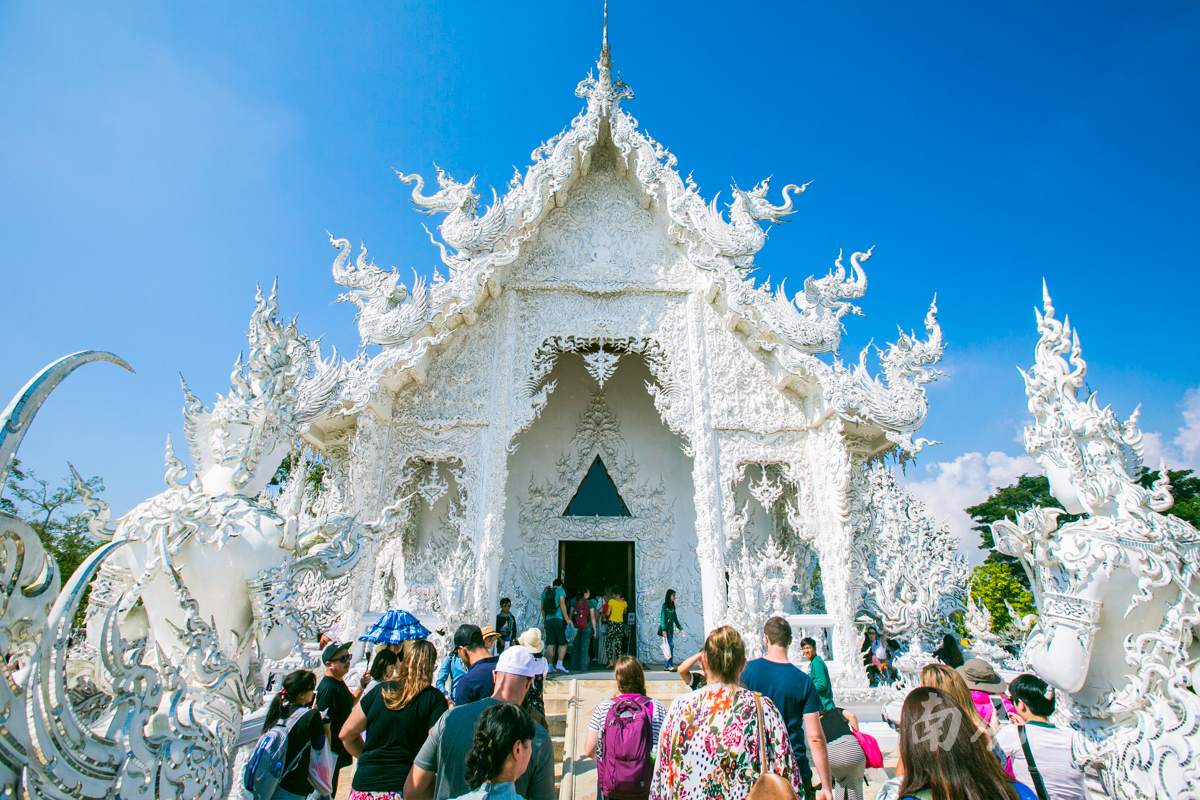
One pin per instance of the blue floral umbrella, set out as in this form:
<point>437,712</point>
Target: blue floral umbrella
<point>394,627</point>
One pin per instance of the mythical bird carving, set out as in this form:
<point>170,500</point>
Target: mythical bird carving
<point>812,320</point>
<point>897,404</point>
<point>388,313</point>
<point>741,237</point>
<point>461,229</point>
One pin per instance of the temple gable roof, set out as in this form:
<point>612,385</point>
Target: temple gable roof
<point>677,240</point>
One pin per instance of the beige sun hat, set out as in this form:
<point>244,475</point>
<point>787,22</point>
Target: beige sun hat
<point>980,677</point>
<point>531,640</point>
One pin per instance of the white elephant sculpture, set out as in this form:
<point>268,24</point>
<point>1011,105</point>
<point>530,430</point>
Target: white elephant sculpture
<point>1116,591</point>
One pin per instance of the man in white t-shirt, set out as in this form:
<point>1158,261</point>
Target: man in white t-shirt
<point>1049,744</point>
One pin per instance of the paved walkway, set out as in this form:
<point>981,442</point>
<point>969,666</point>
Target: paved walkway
<point>573,699</point>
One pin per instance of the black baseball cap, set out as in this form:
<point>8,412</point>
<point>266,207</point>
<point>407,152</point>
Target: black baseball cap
<point>330,652</point>
<point>468,636</point>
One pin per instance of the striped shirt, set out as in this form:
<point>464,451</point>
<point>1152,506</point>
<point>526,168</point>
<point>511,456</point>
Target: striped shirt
<point>600,716</point>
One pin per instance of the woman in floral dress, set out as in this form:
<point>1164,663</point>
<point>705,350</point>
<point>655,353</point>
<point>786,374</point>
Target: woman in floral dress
<point>712,744</point>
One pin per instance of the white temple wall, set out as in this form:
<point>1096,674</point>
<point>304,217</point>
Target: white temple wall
<point>651,472</point>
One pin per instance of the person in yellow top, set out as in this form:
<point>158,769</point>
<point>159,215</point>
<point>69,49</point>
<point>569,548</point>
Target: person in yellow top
<point>614,637</point>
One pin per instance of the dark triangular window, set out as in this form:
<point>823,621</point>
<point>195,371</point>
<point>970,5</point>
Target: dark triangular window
<point>597,496</point>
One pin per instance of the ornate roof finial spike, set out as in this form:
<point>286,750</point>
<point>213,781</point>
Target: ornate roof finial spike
<point>605,61</point>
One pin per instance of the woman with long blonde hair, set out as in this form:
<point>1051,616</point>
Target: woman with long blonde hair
<point>397,716</point>
<point>941,676</point>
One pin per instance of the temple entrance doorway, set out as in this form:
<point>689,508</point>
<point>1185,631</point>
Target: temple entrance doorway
<point>597,565</point>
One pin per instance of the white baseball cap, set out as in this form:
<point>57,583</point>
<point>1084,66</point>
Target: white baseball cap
<point>518,661</point>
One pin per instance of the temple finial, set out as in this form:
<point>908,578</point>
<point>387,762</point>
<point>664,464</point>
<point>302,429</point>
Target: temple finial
<point>605,61</point>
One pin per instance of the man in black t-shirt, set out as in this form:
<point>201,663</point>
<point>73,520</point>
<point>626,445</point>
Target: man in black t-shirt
<point>335,701</point>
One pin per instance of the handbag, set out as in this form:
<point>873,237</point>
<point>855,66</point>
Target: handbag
<point>1039,785</point>
<point>321,765</point>
<point>768,784</point>
<point>870,748</point>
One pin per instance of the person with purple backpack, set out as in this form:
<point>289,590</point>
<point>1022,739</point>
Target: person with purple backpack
<point>623,736</point>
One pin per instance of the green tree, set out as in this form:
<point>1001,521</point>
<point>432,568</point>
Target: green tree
<point>316,471</point>
<point>1185,488</point>
<point>1001,578</point>
<point>55,514</point>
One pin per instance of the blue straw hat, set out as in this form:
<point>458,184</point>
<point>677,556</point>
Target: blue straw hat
<point>394,627</point>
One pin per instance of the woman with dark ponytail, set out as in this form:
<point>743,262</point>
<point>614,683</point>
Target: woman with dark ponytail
<point>295,699</point>
<point>500,753</point>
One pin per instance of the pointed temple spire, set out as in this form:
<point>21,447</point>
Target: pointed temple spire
<point>602,89</point>
<point>605,61</point>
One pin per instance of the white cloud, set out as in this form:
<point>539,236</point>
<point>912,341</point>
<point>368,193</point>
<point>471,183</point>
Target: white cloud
<point>1183,452</point>
<point>966,481</point>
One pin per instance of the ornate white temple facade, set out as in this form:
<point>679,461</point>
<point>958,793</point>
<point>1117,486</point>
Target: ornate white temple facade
<point>600,391</point>
<point>600,320</point>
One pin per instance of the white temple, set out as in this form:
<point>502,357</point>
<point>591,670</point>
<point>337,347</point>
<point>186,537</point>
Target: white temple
<point>600,319</point>
<point>600,391</point>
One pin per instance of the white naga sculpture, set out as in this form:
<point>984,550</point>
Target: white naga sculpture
<point>203,573</point>
<point>1116,591</point>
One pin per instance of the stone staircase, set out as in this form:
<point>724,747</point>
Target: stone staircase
<point>574,700</point>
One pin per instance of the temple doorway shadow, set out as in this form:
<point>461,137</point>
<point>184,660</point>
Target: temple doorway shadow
<point>597,566</point>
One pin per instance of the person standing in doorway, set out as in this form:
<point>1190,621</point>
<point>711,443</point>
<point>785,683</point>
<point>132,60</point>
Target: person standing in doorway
<point>614,637</point>
<point>602,625</point>
<point>584,620</point>
<point>818,672</point>
<point>335,701</point>
<point>794,695</point>
<point>668,622</point>
<point>554,611</point>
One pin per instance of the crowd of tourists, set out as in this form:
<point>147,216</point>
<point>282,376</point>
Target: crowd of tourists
<point>472,724</point>
<point>594,630</point>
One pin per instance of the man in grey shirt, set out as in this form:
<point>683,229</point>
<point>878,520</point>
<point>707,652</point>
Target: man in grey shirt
<point>438,770</point>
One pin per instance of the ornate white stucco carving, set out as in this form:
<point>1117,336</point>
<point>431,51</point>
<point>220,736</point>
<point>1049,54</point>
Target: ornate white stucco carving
<point>1122,580</point>
<point>212,573</point>
<point>651,524</point>
<point>915,580</point>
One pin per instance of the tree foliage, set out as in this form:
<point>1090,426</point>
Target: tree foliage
<point>55,514</point>
<point>1002,578</point>
<point>316,471</point>
<point>1185,488</point>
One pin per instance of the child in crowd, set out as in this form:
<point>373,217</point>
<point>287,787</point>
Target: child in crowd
<point>506,625</point>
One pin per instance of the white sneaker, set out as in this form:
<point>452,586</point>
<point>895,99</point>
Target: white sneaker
<point>563,670</point>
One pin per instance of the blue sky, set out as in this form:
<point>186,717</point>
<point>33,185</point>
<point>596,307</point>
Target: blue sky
<point>160,159</point>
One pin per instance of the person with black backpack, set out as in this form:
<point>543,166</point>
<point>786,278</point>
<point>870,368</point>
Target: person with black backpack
<point>554,612</point>
<point>623,736</point>
<point>278,768</point>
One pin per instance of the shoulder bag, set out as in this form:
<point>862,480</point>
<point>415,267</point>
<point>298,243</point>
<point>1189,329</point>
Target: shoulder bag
<point>1038,785</point>
<point>768,784</point>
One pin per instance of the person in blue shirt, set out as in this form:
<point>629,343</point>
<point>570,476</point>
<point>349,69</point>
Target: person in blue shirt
<point>794,694</point>
<point>452,667</point>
